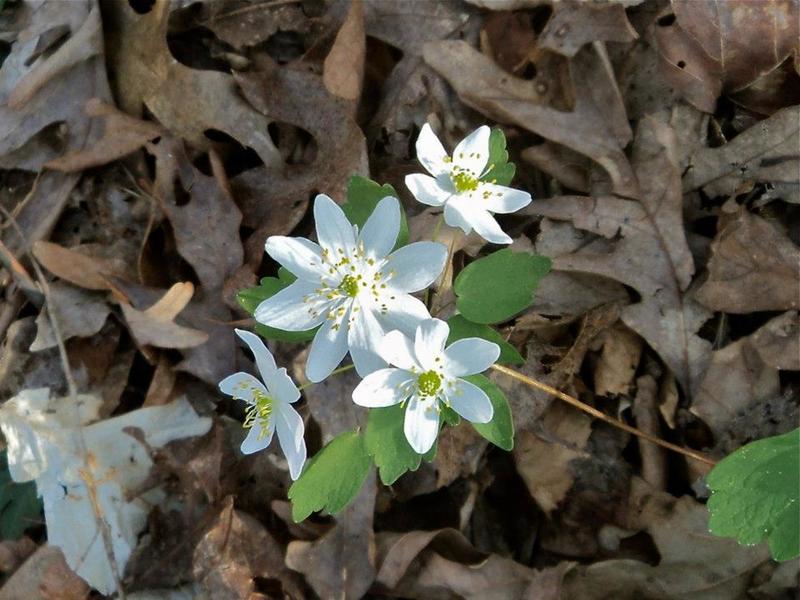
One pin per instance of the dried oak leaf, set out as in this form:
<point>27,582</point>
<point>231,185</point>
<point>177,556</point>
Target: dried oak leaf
<point>83,270</point>
<point>76,311</point>
<point>651,256</point>
<point>753,267</point>
<point>343,69</point>
<point>574,24</point>
<point>596,126</point>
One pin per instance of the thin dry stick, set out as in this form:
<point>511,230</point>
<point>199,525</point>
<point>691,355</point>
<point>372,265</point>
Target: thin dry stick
<point>600,415</point>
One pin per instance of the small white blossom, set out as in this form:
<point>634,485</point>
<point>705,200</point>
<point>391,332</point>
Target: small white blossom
<point>427,376</point>
<point>352,284</point>
<point>270,406</point>
<point>462,183</point>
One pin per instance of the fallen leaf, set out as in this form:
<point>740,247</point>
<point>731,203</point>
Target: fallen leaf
<point>574,24</point>
<point>76,311</point>
<point>645,411</point>
<point>458,452</point>
<point>80,269</point>
<point>619,359</point>
<point>45,575</point>
<point>343,69</point>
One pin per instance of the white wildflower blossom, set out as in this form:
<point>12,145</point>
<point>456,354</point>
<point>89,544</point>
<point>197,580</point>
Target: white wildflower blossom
<point>270,406</point>
<point>428,376</point>
<point>351,284</point>
<point>462,183</point>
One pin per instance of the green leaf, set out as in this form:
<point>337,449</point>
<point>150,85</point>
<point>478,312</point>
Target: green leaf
<point>500,430</point>
<point>332,478</point>
<point>755,494</point>
<point>250,298</point>
<point>386,443</point>
<point>499,170</point>
<point>363,196</point>
<point>461,328</point>
<point>494,288</point>
<point>20,507</point>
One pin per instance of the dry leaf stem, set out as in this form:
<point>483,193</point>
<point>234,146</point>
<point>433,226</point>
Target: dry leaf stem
<point>600,415</point>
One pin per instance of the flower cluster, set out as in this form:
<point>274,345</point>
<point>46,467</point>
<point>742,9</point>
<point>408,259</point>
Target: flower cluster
<point>355,288</point>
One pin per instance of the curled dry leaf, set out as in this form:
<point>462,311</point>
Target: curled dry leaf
<point>619,359</point>
<point>343,69</point>
<point>77,312</point>
<point>88,272</point>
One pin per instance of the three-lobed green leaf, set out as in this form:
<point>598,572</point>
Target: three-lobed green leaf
<point>461,327</point>
<point>755,495</point>
<point>20,507</point>
<point>332,478</point>
<point>496,287</point>
<point>363,196</point>
<point>500,430</point>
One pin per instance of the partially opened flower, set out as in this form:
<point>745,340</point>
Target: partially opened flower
<point>269,405</point>
<point>463,184</point>
<point>427,377</point>
<point>352,284</point>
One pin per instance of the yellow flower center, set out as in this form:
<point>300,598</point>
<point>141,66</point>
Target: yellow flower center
<point>259,412</point>
<point>349,285</point>
<point>429,383</point>
<point>464,181</point>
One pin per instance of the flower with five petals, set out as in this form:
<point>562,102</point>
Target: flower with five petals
<point>462,183</point>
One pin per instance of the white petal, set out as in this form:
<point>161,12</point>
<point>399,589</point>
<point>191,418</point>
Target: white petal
<point>379,234</point>
<point>429,342</point>
<point>469,356</point>
<point>290,429</point>
<point>502,199</point>
<point>334,231</point>
<point>456,215</point>
<point>421,424</point>
<point>398,349</point>
<point>287,309</point>
<point>416,266</point>
<point>427,189</point>
<point>385,387</point>
<point>485,225</point>
<point>364,338</point>
<point>327,350</point>
<point>462,212</point>
<point>301,257</point>
<point>404,312</point>
<point>471,402</point>
<point>282,388</point>
<point>254,442</point>
<point>472,153</point>
<point>264,360</point>
<point>430,152</point>
<point>242,386</point>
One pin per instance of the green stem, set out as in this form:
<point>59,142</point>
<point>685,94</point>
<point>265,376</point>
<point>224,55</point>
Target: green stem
<point>334,372</point>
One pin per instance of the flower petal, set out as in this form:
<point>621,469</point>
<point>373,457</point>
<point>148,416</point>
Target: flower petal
<point>469,356</point>
<point>301,257</point>
<point>426,189</point>
<point>241,386</point>
<point>254,442</point>
<point>289,426</point>
<point>429,342</point>
<point>327,350</point>
<point>287,309</point>
<point>471,402</point>
<point>404,312</point>
<point>421,424</point>
<point>364,337</point>
<point>485,226</point>
<point>430,152</point>
<point>264,360</point>
<point>461,212</point>
<point>472,153</point>
<point>385,387</point>
<point>502,199</point>
<point>379,234</point>
<point>398,349</point>
<point>416,266</point>
<point>334,231</point>
<point>282,388</point>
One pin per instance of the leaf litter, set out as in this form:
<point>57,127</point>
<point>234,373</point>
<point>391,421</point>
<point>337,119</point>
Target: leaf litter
<point>149,148</point>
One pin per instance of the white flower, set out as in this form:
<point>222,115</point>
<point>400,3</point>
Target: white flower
<point>270,407</point>
<point>429,376</point>
<point>457,184</point>
<point>351,285</point>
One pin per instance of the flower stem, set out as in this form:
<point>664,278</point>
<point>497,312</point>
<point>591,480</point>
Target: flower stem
<point>437,228</point>
<point>600,415</point>
<point>334,372</point>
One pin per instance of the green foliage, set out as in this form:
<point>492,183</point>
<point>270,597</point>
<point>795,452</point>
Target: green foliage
<point>494,288</point>
<point>20,507</point>
<point>386,443</point>
<point>363,196</point>
<point>461,328</point>
<point>755,495</point>
<point>500,430</point>
<point>498,169</point>
<point>250,298</point>
<point>332,478</point>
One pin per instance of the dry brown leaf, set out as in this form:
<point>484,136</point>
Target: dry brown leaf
<point>80,269</point>
<point>618,361</point>
<point>652,255</point>
<point>747,371</point>
<point>753,267</point>
<point>458,452</point>
<point>78,313</point>
<point>45,575</point>
<point>596,127</point>
<point>574,24</point>
<point>645,411</point>
<point>343,69</point>
<point>15,552</point>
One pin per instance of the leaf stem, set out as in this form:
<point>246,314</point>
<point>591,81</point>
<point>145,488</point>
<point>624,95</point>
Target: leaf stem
<point>600,415</point>
<point>334,372</point>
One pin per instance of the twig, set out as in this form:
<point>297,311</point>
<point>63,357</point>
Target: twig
<point>601,415</point>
